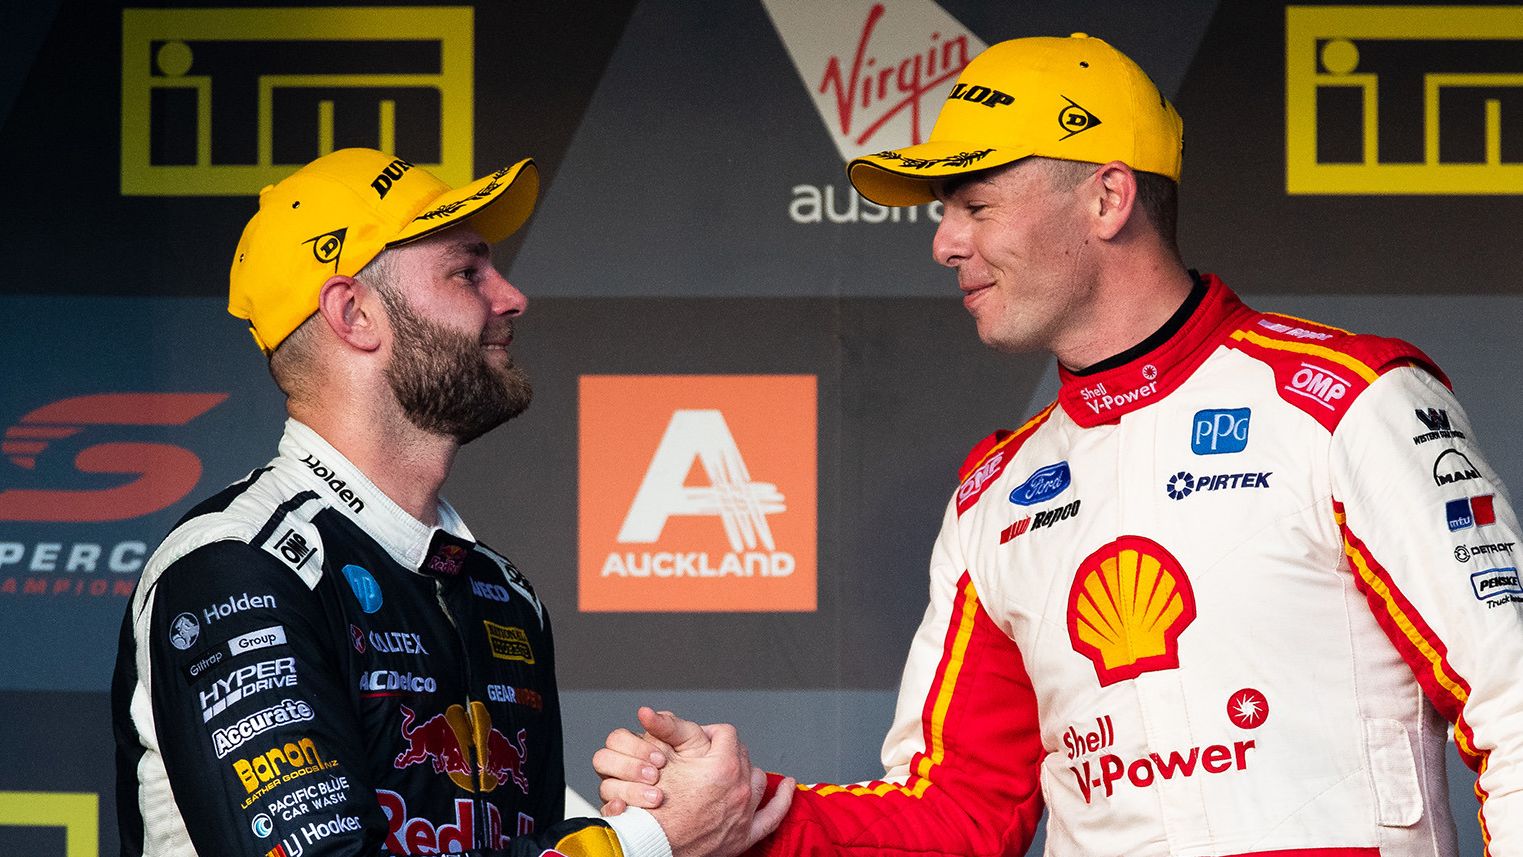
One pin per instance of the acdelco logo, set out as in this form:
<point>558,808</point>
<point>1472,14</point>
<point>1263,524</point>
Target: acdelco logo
<point>1319,384</point>
<point>164,473</point>
<point>671,516</point>
<point>1129,603</point>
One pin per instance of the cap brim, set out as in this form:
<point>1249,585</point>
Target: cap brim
<point>904,176</point>
<point>496,205</point>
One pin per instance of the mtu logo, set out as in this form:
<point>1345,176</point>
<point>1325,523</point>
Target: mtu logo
<point>1045,484</point>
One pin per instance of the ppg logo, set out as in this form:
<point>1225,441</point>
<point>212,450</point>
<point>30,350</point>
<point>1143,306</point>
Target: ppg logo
<point>1220,431</point>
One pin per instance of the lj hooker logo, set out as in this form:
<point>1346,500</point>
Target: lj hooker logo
<point>1403,99</point>
<point>697,493</point>
<point>220,102</point>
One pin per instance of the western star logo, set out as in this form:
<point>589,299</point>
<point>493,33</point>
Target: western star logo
<point>1437,422</point>
<point>1129,602</point>
<point>335,484</point>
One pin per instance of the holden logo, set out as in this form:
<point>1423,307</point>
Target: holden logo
<point>1248,709</point>
<point>183,631</point>
<point>1180,485</point>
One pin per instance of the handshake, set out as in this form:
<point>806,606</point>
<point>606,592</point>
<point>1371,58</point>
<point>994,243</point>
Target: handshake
<point>697,781</point>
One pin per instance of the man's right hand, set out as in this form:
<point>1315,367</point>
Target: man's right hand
<point>709,794</point>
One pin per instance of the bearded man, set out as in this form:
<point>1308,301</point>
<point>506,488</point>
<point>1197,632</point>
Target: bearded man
<point>321,658</point>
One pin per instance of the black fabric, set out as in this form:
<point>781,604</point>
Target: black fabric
<point>1160,336</point>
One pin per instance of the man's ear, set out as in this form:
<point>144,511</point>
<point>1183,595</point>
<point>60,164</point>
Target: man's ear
<point>352,311</point>
<point>1116,188</point>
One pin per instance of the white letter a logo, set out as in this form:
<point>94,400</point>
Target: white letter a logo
<point>742,505</point>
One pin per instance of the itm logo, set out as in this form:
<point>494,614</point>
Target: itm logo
<point>221,102</point>
<point>162,473</point>
<point>697,493</point>
<point>1403,99</point>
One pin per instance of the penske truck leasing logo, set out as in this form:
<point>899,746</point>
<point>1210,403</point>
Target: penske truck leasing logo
<point>1129,603</point>
<point>697,519</point>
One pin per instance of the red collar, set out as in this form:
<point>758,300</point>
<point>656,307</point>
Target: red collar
<point>1092,400</point>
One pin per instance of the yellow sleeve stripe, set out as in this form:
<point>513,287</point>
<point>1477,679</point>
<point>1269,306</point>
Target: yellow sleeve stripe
<point>1016,435</point>
<point>937,749</point>
<point>1358,367</point>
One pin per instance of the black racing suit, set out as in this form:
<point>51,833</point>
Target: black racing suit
<point>305,669</point>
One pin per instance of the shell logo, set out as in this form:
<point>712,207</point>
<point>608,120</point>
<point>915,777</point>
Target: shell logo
<point>1129,603</point>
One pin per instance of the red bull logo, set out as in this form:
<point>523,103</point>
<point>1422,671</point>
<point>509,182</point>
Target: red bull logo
<point>407,834</point>
<point>461,743</point>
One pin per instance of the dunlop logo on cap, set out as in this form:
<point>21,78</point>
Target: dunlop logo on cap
<point>1129,603</point>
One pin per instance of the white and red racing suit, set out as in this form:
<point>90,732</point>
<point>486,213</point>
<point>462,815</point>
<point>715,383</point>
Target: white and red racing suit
<point>1223,597</point>
<point>305,670</point>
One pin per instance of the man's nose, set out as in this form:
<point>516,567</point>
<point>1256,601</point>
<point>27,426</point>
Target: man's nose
<point>505,298</point>
<point>949,246</point>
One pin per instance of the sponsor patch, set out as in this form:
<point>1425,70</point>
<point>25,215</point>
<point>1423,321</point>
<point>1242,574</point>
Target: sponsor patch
<point>366,590</point>
<point>1129,602</point>
<point>508,642</point>
<point>1217,432</point>
<point>285,712</point>
<point>1453,466</point>
<point>1436,420</point>
<point>184,630</point>
<point>1496,581</point>
<point>279,765</point>
<point>1467,512</point>
<point>1043,485</point>
<point>246,682</point>
<point>1318,384</point>
<point>1184,483</point>
<point>1247,709</point>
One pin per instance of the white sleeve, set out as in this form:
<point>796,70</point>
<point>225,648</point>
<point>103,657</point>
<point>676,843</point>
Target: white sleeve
<point>1430,532</point>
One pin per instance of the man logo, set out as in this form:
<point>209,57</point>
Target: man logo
<point>1074,119</point>
<point>672,518</point>
<point>1377,103</point>
<point>327,247</point>
<point>281,86</point>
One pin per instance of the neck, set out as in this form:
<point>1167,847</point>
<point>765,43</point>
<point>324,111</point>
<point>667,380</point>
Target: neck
<point>1127,305</point>
<point>407,464</point>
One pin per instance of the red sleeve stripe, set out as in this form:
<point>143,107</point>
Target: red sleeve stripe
<point>1017,437</point>
<point>964,615</point>
<point>1423,651</point>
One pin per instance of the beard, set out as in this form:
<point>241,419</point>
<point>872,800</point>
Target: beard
<point>443,381</point>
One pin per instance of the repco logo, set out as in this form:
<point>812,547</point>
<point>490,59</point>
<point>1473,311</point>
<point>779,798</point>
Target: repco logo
<point>161,474</point>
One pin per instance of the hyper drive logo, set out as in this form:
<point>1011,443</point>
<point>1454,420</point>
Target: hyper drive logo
<point>697,493</point>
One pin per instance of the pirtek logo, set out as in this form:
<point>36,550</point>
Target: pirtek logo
<point>164,473</point>
<point>393,171</point>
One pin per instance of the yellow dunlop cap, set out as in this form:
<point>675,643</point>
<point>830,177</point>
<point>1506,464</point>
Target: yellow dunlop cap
<point>337,213</point>
<point>1076,99</point>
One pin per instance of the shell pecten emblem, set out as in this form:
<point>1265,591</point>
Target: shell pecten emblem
<point>1129,603</point>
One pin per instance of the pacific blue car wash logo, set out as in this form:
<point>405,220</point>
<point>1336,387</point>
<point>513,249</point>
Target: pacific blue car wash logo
<point>878,73</point>
<point>697,493</point>
<point>1130,601</point>
<point>81,461</point>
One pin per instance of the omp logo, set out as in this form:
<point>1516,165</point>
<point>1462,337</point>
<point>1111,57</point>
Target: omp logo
<point>1129,603</point>
<point>220,102</point>
<point>697,493</point>
<point>1319,384</point>
<point>878,74</point>
<point>1403,99</point>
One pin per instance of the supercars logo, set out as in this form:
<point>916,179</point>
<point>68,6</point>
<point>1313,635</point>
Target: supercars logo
<point>878,72</point>
<point>697,493</point>
<point>221,102</point>
<point>1403,99</point>
<point>163,474</point>
<point>1130,601</point>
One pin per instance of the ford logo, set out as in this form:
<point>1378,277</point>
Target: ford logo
<point>1045,484</point>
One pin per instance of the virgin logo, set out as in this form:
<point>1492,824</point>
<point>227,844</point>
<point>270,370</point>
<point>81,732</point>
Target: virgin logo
<point>885,83</point>
<point>161,474</point>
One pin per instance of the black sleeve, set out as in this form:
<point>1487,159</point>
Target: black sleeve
<point>256,724</point>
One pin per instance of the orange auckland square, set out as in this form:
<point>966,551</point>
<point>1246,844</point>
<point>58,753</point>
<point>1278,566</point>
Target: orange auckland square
<point>697,493</point>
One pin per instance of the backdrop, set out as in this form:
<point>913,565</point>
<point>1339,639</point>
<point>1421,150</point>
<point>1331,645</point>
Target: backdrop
<point>696,250</point>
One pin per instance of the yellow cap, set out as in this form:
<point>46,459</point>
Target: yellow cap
<point>337,213</point>
<point>1076,99</point>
